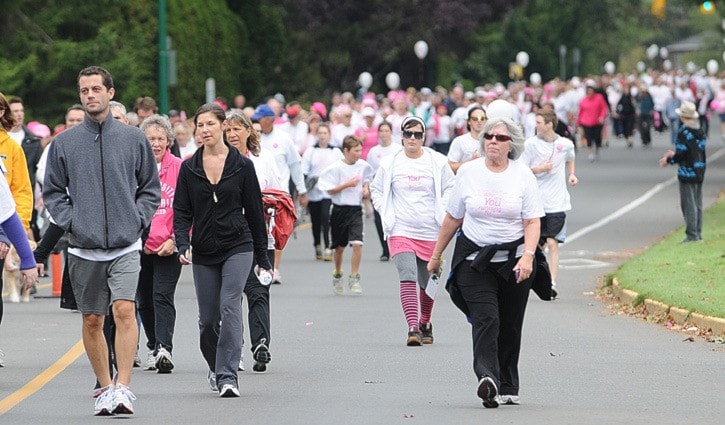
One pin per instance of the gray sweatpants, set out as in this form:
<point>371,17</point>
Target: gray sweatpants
<point>219,290</point>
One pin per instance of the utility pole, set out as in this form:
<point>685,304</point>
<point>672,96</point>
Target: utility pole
<point>163,65</point>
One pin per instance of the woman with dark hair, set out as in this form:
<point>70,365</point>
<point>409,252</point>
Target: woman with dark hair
<point>467,146</point>
<point>627,113</point>
<point>160,268</point>
<point>218,194</point>
<point>410,190</point>
<point>496,204</point>
<point>316,159</point>
<point>384,148</point>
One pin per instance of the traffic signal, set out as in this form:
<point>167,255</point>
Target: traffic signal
<point>707,7</point>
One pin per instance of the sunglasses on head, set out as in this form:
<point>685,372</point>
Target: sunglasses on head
<point>413,134</point>
<point>498,137</point>
<point>479,118</point>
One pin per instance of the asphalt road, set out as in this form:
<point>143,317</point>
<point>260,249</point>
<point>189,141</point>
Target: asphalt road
<point>342,360</point>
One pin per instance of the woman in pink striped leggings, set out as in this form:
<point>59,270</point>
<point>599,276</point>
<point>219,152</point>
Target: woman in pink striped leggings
<point>410,191</point>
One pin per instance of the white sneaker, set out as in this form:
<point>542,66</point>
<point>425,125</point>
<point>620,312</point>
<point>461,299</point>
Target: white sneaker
<point>228,390</point>
<point>337,287</point>
<point>150,361</point>
<point>163,361</point>
<point>509,399</point>
<point>240,368</point>
<point>488,392</point>
<point>354,284</point>
<point>14,297</point>
<point>104,402</point>
<point>122,398</point>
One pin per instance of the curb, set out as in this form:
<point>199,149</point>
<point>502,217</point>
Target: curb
<point>715,325</point>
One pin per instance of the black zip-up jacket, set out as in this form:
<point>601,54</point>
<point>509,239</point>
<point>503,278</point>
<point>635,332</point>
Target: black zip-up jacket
<point>227,217</point>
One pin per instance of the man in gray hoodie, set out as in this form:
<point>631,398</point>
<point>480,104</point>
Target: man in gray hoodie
<point>101,186</point>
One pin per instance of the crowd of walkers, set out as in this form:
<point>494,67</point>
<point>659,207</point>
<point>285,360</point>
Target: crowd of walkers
<point>134,196</point>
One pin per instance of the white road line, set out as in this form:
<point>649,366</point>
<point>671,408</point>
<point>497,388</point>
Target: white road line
<point>632,205</point>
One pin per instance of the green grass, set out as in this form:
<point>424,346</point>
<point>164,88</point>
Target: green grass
<point>689,276</point>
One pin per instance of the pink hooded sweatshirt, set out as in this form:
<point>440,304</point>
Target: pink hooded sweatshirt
<point>162,223</point>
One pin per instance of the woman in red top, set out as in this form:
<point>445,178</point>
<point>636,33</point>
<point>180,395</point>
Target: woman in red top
<point>592,115</point>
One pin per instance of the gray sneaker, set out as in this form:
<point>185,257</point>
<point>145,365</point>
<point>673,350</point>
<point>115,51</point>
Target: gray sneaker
<point>353,283</point>
<point>337,287</point>
<point>211,377</point>
<point>150,361</point>
<point>509,399</point>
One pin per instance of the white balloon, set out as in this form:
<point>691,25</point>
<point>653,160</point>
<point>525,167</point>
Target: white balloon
<point>500,108</point>
<point>535,78</point>
<point>365,80</point>
<point>652,51</point>
<point>691,67</point>
<point>664,53</point>
<point>609,67</point>
<point>392,80</point>
<point>641,66</point>
<point>667,64</point>
<point>522,58</point>
<point>712,66</point>
<point>421,49</point>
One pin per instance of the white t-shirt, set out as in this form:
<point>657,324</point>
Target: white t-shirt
<point>18,136</point>
<point>340,172</point>
<point>7,203</point>
<point>314,161</point>
<point>493,205</point>
<point>298,133</point>
<point>552,184</point>
<point>377,153</point>
<point>188,150</point>
<point>267,172</point>
<point>413,190</point>
<point>463,147</point>
<point>444,135</point>
<point>279,144</point>
<point>339,132</point>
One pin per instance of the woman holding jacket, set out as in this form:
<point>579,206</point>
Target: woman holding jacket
<point>218,194</point>
<point>497,205</point>
<point>160,268</point>
<point>405,187</point>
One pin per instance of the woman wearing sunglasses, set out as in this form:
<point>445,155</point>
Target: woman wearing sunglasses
<point>410,191</point>
<point>468,146</point>
<point>497,205</point>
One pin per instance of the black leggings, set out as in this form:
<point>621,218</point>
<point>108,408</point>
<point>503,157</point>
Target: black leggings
<point>320,217</point>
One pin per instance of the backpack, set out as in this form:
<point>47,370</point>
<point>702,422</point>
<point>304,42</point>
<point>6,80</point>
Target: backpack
<point>280,214</point>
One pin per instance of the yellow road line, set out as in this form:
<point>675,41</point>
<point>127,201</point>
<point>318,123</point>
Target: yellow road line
<point>39,381</point>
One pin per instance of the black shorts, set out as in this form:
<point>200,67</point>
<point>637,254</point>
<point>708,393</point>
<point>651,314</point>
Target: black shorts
<point>346,225</point>
<point>552,225</point>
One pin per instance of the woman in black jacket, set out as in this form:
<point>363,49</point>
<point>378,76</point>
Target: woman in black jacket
<point>218,195</point>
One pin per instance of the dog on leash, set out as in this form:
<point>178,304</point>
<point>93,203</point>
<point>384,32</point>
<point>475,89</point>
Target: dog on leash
<point>12,278</point>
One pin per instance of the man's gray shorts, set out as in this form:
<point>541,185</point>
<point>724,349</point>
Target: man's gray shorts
<point>97,284</point>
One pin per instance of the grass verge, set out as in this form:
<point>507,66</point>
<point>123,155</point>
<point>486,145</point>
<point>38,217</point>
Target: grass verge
<point>689,276</point>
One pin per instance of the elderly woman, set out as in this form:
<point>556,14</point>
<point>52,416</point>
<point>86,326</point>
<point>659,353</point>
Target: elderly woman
<point>241,134</point>
<point>496,204</point>
<point>160,268</point>
<point>406,185</point>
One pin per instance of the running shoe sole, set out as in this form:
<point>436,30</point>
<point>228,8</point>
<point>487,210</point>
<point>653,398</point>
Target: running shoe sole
<point>487,392</point>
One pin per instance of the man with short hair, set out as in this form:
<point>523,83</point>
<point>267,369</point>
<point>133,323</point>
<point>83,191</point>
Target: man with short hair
<point>102,187</point>
<point>32,148</point>
<point>550,157</point>
<point>74,115</point>
<point>144,107</point>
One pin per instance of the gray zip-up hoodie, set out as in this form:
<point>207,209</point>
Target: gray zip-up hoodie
<point>101,183</point>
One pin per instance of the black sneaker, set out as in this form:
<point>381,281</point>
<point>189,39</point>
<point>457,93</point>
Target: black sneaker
<point>262,356</point>
<point>384,258</point>
<point>414,337</point>
<point>426,332</point>
<point>488,392</point>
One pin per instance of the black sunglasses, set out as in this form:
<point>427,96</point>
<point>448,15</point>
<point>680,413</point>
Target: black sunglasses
<point>498,137</point>
<point>411,134</point>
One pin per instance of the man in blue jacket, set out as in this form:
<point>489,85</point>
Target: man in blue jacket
<point>102,187</point>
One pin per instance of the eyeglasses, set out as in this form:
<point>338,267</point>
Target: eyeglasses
<point>498,137</point>
<point>480,118</point>
<point>411,134</point>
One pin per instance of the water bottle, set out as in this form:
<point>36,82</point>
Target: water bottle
<point>265,277</point>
